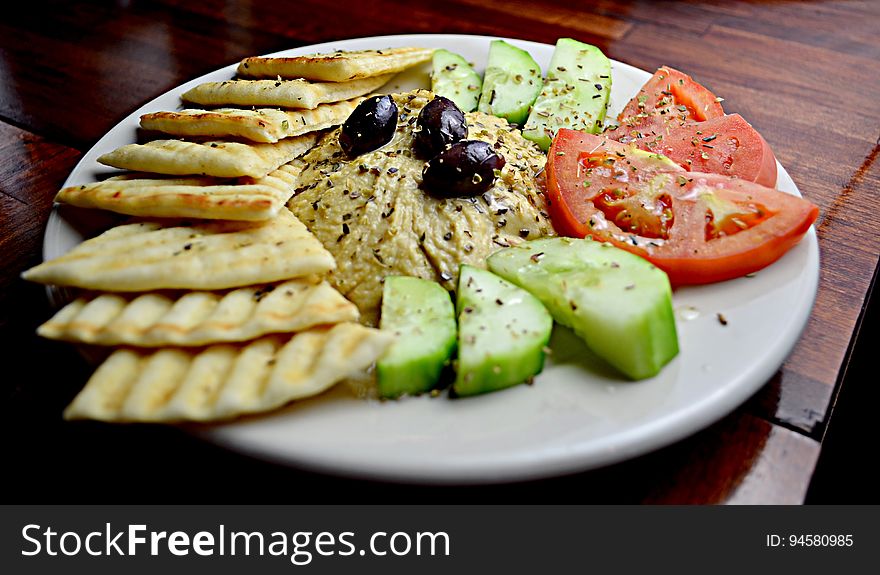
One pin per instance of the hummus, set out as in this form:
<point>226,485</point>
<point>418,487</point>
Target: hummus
<point>373,216</point>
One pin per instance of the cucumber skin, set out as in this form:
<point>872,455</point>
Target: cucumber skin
<point>454,84</point>
<point>506,62</point>
<point>398,372</point>
<point>649,340</point>
<point>564,73</point>
<point>513,364</point>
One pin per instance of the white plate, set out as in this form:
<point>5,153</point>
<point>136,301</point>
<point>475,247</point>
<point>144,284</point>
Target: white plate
<point>576,416</point>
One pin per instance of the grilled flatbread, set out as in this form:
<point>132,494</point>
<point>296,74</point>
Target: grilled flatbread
<point>297,94</point>
<point>340,66</point>
<point>264,125</point>
<point>225,381</point>
<point>207,198</point>
<point>219,159</point>
<point>199,318</point>
<point>205,255</point>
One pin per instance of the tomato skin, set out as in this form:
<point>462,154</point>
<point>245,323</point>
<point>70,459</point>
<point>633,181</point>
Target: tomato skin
<point>727,145</point>
<point>687,253</point>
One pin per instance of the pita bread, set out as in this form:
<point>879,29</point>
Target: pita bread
<point>199,318</point>
<point>205,255</point>
<point>225,381</point>
<point>340,66</point>
<point>206,198</point>
<point>264,125</point>
<point>219,159</point>
<point>297,94</point>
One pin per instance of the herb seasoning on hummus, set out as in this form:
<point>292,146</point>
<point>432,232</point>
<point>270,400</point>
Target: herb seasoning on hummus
<point>372,215</point>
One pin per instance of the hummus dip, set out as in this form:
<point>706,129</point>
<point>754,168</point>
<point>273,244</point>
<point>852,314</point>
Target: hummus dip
<point>376,220</point>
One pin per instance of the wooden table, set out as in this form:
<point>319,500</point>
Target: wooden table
<point>805,74</point>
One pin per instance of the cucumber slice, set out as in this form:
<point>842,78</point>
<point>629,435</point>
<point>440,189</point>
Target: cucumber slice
<point>420,313</point>
<point>502,333</point>
<point>575,94</point>
<point>511,83</point>
<point>617,302</point>
<point>455,79</point>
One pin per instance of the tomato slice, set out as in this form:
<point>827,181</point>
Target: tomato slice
<point>668,99</point>
<point>697,227</point>
<point>604,172</point>
<point>727,145</point>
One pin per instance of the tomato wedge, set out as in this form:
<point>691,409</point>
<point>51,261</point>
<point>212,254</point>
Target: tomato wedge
<point>697,227</point>
<point>675,116</point>
<point>668,99</point>
<point>727,145</point>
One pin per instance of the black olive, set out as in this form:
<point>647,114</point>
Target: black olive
<point>466,168</point>
<point>369,127</point>
<point>440,124</point>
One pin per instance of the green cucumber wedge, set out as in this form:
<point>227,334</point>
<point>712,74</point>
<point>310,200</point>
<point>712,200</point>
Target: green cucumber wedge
<point>420,313</point>
<point>502,333</point>
<point>575,94</point>
<point>618,303</point>
<point>455,79</point>
<point>511,83</point>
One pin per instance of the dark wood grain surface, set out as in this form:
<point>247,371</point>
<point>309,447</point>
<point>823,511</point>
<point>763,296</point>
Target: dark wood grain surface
<point>805,74</point>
